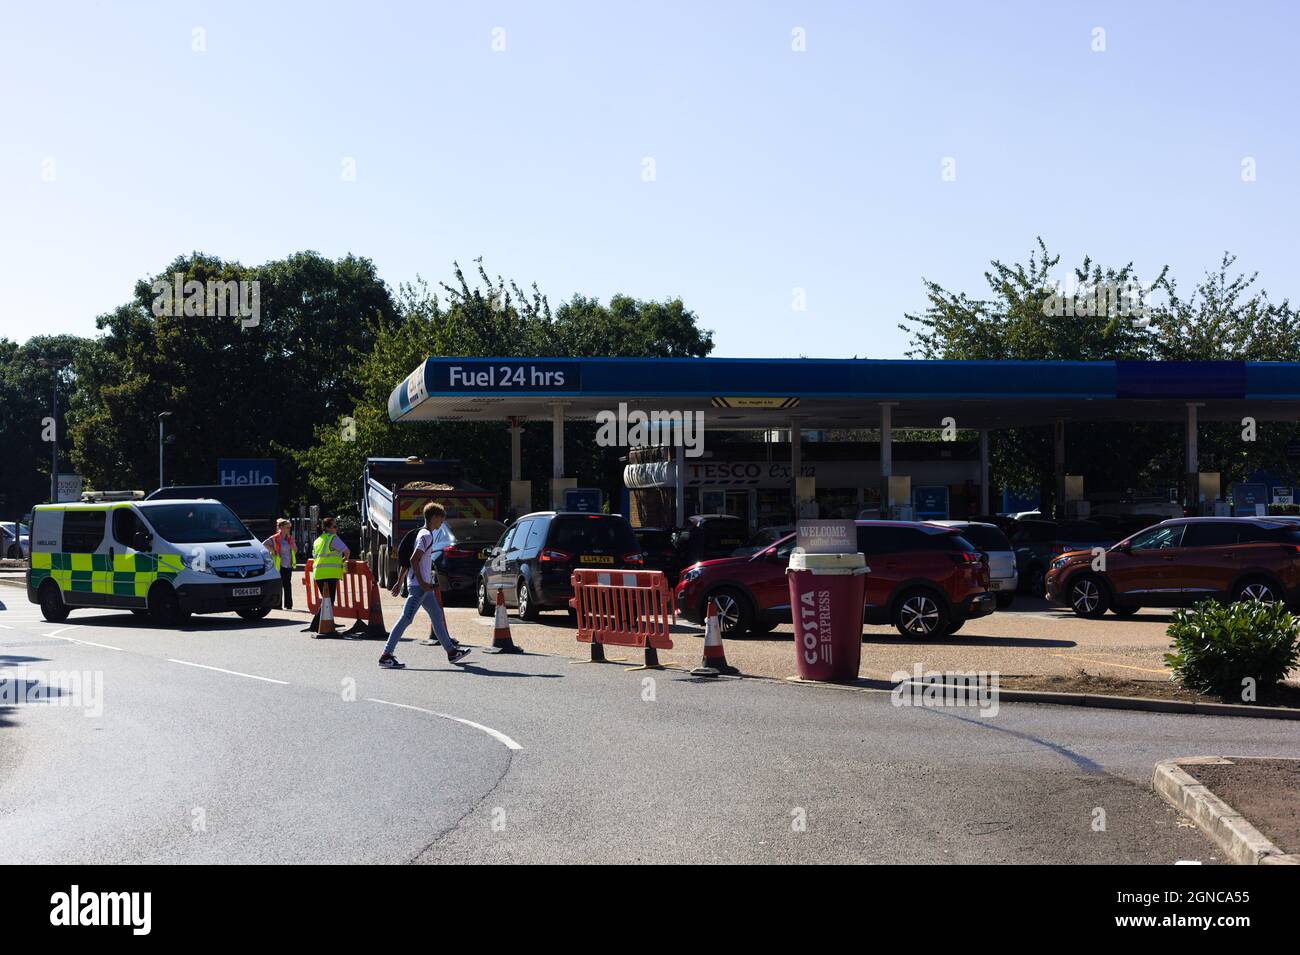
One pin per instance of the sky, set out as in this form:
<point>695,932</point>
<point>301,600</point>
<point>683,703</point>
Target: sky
<point>792,171</point>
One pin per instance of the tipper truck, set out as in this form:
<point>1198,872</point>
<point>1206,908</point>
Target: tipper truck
<point>392,495</point>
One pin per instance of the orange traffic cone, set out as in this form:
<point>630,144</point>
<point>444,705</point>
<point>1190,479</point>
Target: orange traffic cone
<point>325,627</point>
<point>715,657</point>
<point>501,640</point>
<point>375,625</point>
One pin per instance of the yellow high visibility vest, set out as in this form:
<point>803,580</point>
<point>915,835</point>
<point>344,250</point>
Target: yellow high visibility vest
<point>327,563</point>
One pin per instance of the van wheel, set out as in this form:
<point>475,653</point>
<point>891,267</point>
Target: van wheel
<point>53,608</point>
<point>165,606</point>
<point>528,608</point>
<point>486,608</point>
<point>735,616</point>
<point>1088,596</point>
<point>919,614</point>
<point>253,613</point>
<point>136,611</point>
<point>1257,589</point>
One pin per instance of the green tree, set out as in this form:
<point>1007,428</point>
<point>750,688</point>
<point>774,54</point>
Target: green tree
<point>236,385</point>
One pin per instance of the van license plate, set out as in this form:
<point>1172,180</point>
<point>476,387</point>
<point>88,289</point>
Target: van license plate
<point>247,592</point>
<point>596,559</point>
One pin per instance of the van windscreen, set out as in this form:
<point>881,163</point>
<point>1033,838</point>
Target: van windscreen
<point>208,523</point>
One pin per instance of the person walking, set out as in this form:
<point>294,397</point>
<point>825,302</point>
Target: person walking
<point>328,556</point>
<point>422,585</point>
<point>285,554</point>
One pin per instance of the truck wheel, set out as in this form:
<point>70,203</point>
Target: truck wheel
<point>53,608</point>
<point>384,580</point>
<point>165,606</point>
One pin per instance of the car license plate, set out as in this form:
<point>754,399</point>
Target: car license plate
<point>247,592</point>
<point>995,585</point>
<point>596,559</point>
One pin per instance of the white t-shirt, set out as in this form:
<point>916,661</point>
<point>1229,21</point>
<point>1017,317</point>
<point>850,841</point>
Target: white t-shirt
<point>432,543</point>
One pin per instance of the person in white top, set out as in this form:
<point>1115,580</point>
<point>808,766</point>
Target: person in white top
<point>422,586</point>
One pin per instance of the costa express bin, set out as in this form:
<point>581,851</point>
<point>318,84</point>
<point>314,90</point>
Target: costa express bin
<point>826,596</point>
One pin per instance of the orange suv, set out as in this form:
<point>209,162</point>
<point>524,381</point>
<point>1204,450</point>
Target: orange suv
<point>1181,561</point>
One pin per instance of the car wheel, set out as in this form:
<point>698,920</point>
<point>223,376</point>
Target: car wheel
<point>15,553</point>
<point>528,608</point>
<point>762,625</point>
<point>1005,600</point>
<point>253,613</point>
<point>53,608</point>
<point>1088,596</point>
<point>955,626</point>
<point>735,616</point>
<point>1125,610</point>
<point>486,608</point>
<point>1038,580</point>
<point>1257,589</point>
<point>919,614</point>
<point>165,606</point>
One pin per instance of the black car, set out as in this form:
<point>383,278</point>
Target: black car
<point>534,560</point>
<point>461,563</point>
<point>710,536</point>
<point>658,551</point>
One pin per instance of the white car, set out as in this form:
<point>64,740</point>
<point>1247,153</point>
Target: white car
<point>15,542</point>
<point>990,540</point>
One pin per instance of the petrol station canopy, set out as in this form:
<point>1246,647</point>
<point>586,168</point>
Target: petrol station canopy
<point>744,393</point>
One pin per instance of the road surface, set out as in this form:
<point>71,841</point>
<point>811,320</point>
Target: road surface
<point>236,742</point>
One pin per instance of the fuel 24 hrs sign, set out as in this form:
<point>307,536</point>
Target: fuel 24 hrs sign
<point>524,376</point>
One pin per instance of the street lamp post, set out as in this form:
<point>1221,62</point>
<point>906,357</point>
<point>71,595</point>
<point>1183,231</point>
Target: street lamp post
<point>55,366</point>
<point>160,446</point>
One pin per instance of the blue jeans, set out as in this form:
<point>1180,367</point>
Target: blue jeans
<point>429,601</point>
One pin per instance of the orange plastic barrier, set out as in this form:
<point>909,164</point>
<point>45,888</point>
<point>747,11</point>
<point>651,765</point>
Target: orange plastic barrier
<point>357,596</point>
<point>626,608</point>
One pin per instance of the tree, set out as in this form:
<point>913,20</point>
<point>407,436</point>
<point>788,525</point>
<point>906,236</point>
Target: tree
<point>490,317</point>
<point>27,380</point>
<point>1109,314</point>
<point>238,385</point>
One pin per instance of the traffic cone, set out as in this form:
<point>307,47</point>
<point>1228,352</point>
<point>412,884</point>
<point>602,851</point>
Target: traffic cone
<point>375,625</point>
<point>715,657</point>
<point>325,627</point>
<point>501,641</point>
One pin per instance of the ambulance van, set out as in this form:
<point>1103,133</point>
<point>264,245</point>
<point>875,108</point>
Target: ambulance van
<point>164,559</point>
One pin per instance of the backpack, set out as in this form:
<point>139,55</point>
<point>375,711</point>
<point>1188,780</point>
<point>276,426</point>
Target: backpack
<point>406,549</point>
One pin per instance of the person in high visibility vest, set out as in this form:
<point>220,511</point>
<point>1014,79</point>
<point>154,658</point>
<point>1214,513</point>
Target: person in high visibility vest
<point>328,555</point>
<point>285,554</point>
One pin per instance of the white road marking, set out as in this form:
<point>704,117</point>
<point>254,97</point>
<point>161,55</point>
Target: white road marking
<point>495,734</point>
<point>251,676</point>
<point>87,643</point>
<point>55,633</point>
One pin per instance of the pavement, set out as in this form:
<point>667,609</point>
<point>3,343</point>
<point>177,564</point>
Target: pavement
<point>226,741</point>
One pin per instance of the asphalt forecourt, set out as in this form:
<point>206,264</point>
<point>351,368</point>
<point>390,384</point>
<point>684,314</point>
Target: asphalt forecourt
<point>253,742</point>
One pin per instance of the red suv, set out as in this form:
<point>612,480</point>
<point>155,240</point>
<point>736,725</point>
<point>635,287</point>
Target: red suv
<point>1181,561</point>
<point>925,579</point>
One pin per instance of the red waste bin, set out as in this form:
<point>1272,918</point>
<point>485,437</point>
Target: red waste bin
<point>826,595</point>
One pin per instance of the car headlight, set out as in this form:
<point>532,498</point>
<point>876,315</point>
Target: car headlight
<point>691,574</point>
<point>1060,562</point>
<point>268,563</point>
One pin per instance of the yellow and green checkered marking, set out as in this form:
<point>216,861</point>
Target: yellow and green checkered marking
<point>123,575</point>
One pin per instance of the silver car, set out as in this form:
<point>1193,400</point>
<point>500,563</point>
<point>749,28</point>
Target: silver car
<point>14,541</point>
<point>1003,577</point>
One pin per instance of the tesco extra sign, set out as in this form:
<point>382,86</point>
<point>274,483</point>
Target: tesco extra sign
<point>245,471</point>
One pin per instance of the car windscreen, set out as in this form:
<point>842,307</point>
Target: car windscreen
<point>1083,533</point>
<point>205,523</point>
<point>986,538</point>
<point>476,531</point>
<point>583,535</point>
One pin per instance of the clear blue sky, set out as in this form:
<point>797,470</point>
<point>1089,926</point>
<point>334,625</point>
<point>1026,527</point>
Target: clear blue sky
<point>775,169</point>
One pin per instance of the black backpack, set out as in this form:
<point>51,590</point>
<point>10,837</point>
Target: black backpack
<point>406,549</point>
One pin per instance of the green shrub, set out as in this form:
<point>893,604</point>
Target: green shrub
<point>1216,646</point>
